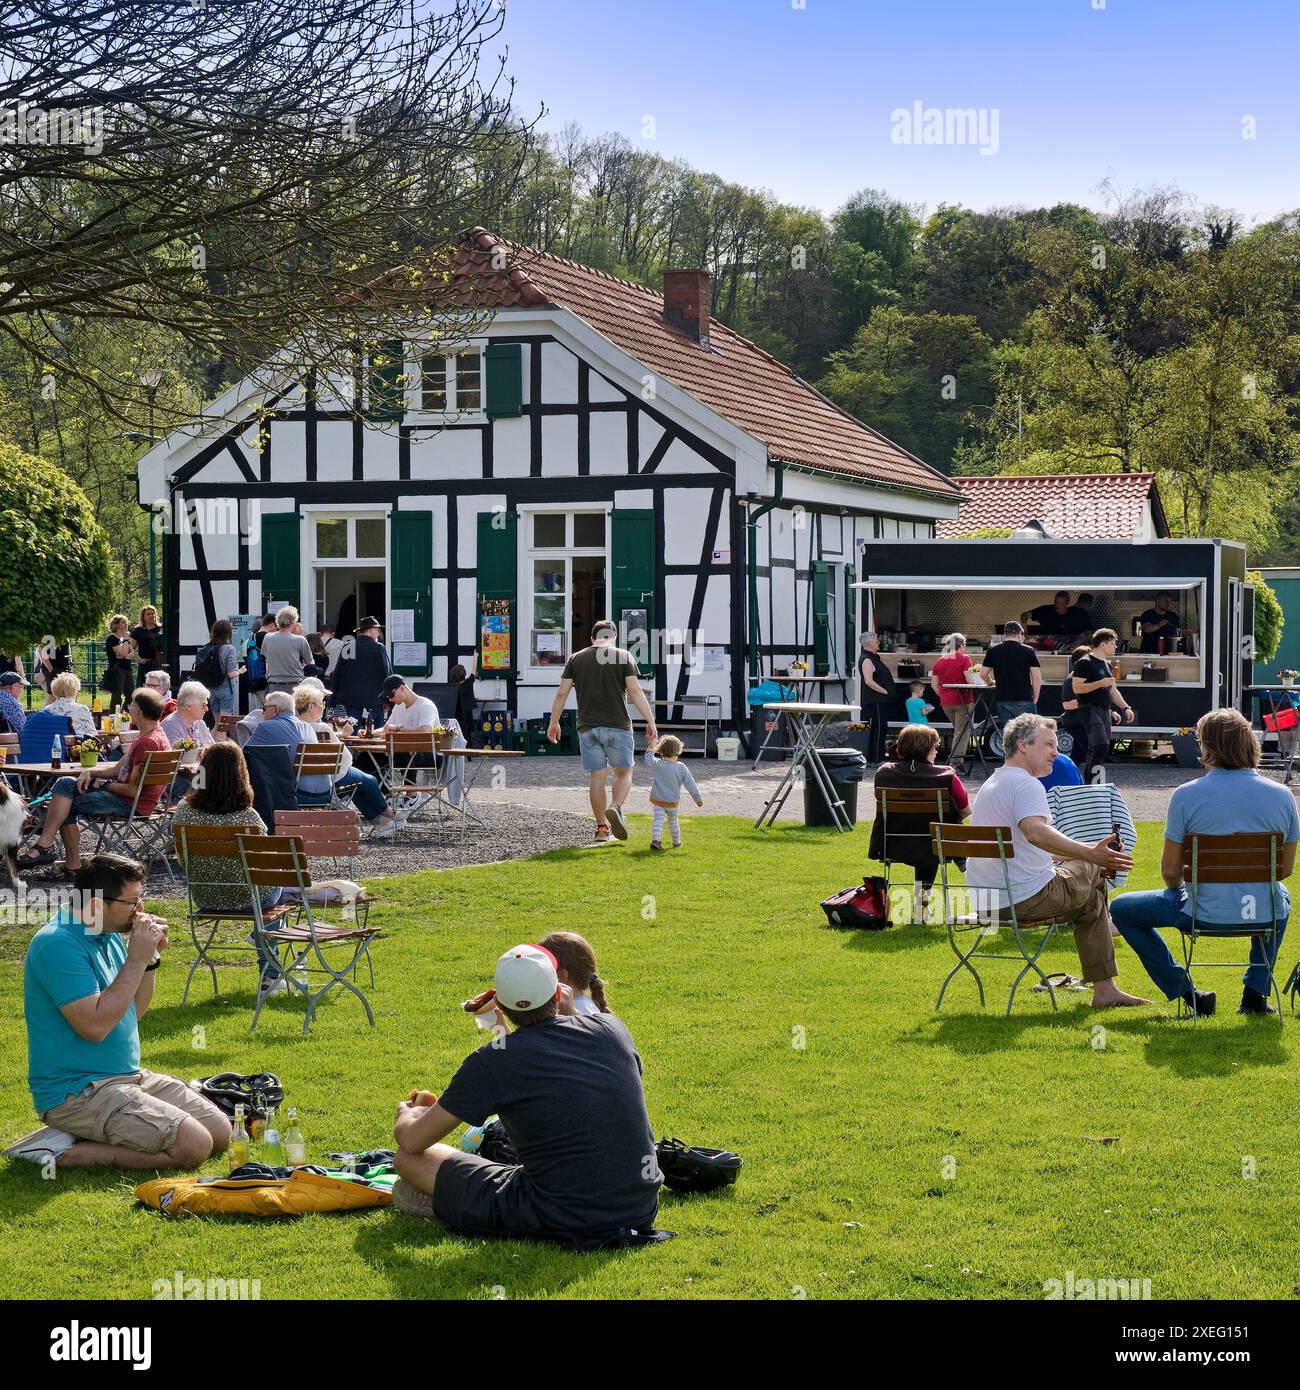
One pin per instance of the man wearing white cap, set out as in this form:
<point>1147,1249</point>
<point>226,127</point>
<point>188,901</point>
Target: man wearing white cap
<point>568,1091</point>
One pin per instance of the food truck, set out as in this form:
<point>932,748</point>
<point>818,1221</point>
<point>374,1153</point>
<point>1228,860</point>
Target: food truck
<point>915,592</point>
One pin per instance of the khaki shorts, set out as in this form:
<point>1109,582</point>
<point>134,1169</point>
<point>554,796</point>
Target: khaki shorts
<point>141,1111</point>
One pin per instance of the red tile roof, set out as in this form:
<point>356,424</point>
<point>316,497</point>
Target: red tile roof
<point>733,377</point>
<point>1073,506</point>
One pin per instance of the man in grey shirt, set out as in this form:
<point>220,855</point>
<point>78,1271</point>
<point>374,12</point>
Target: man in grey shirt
<point>286,653</point>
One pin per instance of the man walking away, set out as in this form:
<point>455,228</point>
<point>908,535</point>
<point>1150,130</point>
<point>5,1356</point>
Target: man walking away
<point>286,654</point>
<point>360,673</point>
<point>605,678</point>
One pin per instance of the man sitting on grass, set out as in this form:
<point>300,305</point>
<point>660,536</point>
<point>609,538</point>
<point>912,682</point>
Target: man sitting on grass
<point>1073,891</point>
<point>568,1091</point>
<point>87,981</point>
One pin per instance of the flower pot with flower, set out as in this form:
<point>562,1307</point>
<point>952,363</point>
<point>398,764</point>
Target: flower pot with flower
<point>1287,676</point>
<point>1187,748</point>
<point>189,751</point>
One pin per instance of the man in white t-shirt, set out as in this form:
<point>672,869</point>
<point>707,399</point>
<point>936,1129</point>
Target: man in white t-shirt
<point>1073,891</point>
<point>412,713</point>
<point>333,648</point>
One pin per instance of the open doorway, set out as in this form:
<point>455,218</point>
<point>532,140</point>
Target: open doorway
<point>345,595</point>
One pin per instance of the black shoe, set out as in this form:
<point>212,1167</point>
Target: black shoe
<point>1253,1002</point>
<point>1201,1001</point>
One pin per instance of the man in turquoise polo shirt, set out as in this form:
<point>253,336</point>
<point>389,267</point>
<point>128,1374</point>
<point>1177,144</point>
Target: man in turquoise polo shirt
<point>87,981</point>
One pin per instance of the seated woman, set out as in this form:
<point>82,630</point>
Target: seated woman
<point>64,688</point>
<point>914,766</point>
<point>369,799</point>
<point>224,796</point>
<point>1232,798</point>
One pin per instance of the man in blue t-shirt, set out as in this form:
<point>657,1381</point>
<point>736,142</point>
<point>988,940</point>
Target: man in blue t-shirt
<point>87,981</point>
<point>1232,798</point>
<point>568,1092</point>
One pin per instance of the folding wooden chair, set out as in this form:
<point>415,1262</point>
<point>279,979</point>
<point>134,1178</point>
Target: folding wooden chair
<point>399,766</point>
<point>226,724</point>
<point>988,842</point>
<point>146,837</point>
<point>326,833</point>
<point>279,861</point>
<point>909,802</point>
<point>1245,858</point>
<point>197,848</point>
<point>320,760</point>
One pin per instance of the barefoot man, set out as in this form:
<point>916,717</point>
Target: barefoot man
<point>605,677</point>
<point>1072,891</point>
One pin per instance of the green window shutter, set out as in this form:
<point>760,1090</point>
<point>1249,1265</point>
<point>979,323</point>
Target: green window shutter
<point>412,578</point>
<point>821,618</point>
<point>503,393</point>
<point>498,604</point>
<point>387,384</point>
<point>632,584</point>
<point>850,620</point>
<point>281,557</point>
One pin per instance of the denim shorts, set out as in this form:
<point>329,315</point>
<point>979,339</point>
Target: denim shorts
<point>604,747</point>
<point>94,801</point>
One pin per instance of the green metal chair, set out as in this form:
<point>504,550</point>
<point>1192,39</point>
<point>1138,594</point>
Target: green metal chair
<point>910,802</point>
<point>988,842</point>
<point>1245,858</point>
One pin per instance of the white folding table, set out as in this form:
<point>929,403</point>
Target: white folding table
<point>807,721</point>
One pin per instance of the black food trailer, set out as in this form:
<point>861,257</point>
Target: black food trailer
<point>915,592</point>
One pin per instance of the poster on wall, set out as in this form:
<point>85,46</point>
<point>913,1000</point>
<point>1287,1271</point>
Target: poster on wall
<point>401,625</point>
<point>495,635</point>
<point>407,654</point>
<point>243,626</point>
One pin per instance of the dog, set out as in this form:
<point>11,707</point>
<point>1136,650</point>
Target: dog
<point>13,815</point>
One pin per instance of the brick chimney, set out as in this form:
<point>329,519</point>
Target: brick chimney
<point>686,302</point>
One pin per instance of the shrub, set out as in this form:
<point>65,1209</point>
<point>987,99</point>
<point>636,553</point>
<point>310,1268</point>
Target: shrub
<point>54,557</point>
<point>1269,619</point>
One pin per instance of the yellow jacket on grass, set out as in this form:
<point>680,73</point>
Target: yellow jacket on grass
<point>292,1196</point>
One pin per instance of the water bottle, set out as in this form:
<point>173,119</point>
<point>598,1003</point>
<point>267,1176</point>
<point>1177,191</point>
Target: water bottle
<point>295,1145</point>
<point>272,1145</point>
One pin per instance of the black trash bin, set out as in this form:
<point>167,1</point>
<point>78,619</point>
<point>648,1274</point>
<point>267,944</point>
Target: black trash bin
<point>846,767</point>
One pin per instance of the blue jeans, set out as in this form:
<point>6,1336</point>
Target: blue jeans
<point>266,956</point>
<point>94,801</point>
<point>369,800</point>
<point>1136,917</point>
<point>1008,709</point>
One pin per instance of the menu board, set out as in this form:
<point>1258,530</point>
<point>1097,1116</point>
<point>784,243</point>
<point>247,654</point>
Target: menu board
<point>494,635</point>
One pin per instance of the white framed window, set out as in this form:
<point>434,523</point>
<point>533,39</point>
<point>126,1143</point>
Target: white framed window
<point>345,553</point>
<point>447,380</point>
<point>564,581</point>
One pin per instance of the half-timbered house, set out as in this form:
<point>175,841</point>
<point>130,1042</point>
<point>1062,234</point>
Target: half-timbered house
<point>590,447</point>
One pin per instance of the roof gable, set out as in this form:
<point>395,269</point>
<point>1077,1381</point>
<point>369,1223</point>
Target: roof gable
<point>732,376</point>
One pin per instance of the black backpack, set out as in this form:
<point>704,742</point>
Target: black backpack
<point>208,669</point>
<point>689,1168</point>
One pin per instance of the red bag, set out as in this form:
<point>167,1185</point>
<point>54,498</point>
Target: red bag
<point>1283,719</point>
<point>866,907</point>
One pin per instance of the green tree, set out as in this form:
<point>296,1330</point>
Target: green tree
<point>54,560</point>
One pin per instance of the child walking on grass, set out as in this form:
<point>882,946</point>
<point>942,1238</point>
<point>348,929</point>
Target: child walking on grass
<point>670,776</point>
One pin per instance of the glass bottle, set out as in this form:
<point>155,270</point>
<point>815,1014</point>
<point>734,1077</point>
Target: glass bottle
<point>238,1151</point>
<point>257,1125</point>
<point>295,1145</point>
<point>272,1145</point>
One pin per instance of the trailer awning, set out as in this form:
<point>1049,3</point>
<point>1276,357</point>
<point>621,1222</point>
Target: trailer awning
<point>1145,582</point>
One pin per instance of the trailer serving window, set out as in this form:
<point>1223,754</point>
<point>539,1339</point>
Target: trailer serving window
<point>915,614</point>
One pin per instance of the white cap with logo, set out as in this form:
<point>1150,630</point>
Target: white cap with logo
<point>526,978</point>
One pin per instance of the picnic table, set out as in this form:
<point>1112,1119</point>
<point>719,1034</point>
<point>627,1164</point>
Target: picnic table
<point>807,721</point>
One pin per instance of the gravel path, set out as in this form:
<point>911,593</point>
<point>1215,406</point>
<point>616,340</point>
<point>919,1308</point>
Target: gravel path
<point>514,832</point>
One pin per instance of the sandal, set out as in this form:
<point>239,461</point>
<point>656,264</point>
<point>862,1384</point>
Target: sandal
<point>34,861</point>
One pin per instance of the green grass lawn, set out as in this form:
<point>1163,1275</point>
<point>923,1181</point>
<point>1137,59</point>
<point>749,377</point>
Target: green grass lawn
<point>896,1153</point>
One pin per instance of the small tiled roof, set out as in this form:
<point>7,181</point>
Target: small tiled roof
<point>1072,506</point>
<point>733,377</point>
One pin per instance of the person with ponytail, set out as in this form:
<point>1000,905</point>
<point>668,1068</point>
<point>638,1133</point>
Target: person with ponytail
<point>575,964</point>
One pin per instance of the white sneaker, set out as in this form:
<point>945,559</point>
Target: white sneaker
<point>41,1144</point>
<point>281,986</point>
<point>386,832</point>
<point>409,804</point>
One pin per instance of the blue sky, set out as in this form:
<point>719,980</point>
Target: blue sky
<point>799,101</point>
